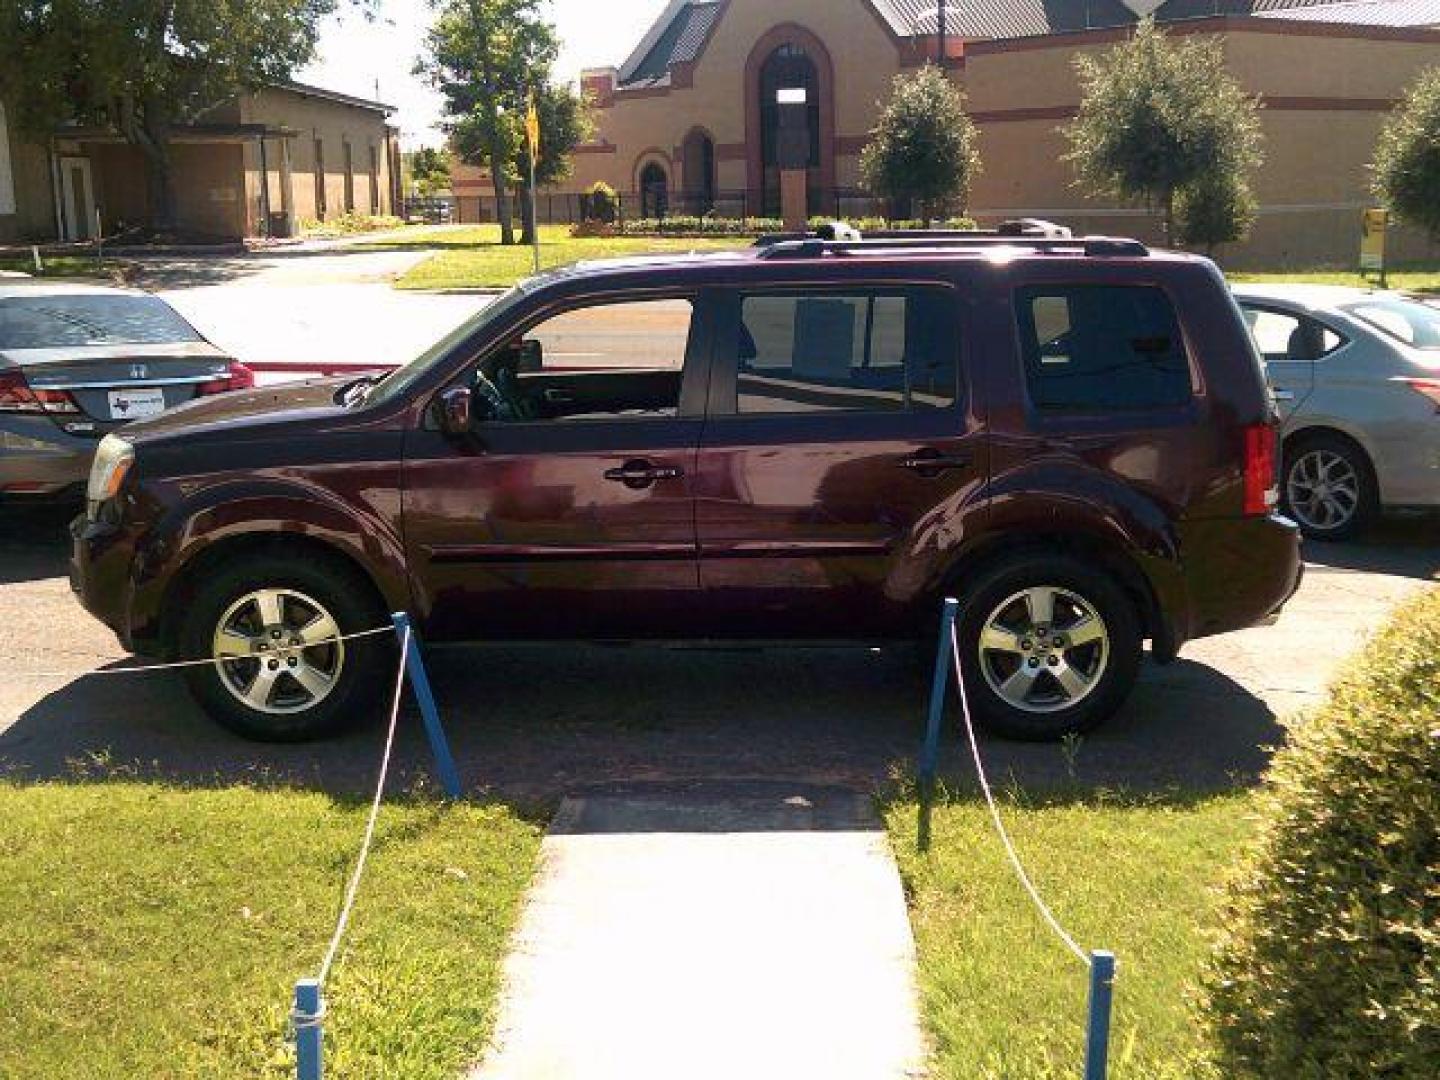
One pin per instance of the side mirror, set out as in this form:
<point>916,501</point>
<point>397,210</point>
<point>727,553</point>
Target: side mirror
<point>456,412</point>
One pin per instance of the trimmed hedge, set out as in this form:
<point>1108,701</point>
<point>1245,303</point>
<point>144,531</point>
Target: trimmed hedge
<point>1330,961</point>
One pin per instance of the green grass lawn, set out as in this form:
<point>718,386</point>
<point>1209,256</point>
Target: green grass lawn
<point>1003,998</point>
<point>473,258</point>
<point>1419,278</point>
<point>150,931</point>
<point>70,266</point>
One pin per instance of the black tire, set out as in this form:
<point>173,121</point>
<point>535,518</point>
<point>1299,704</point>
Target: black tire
<point>1298,458</point>
<point>1110,681</point>
<point>362,674</point>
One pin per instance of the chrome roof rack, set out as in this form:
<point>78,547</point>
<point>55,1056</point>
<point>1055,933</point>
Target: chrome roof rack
<point>1030,234</point>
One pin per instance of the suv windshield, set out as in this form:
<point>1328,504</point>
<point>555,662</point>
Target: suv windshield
<point>1417,325</point>
<point>407,375</point>
<point>44,322</point>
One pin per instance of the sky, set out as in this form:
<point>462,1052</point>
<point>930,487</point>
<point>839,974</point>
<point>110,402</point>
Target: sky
<point>355,53</point>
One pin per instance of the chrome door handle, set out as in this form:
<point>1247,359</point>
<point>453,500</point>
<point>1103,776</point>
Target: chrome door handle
<point>641,474</point>
<point>929,462</point>
<point>1284,395</point>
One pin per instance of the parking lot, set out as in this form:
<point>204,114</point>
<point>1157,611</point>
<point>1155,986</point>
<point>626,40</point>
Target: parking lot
<point>532,722</point>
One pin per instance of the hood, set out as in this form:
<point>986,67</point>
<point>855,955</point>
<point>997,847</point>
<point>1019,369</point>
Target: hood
<point>236,414</point>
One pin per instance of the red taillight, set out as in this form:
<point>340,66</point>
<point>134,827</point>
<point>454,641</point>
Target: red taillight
<point>1261,493</point>
<point>238,377</point>
<point>1430,388</point>
<point>17,396</point>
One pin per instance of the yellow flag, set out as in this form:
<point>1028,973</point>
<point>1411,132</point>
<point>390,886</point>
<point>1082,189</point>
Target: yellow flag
<point>532,128</point>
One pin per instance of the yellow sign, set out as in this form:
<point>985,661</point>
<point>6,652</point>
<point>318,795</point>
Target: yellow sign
<point>532,127</point>
<point>1372,240</point>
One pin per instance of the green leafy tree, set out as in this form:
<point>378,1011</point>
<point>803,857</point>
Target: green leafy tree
<point>1219,208</point>
<point>427,171</point>
<point>1158,116</point>
<point>143,68</point>
<point>1407,159</point>
<point>485,56</point>
<point>924,146</point>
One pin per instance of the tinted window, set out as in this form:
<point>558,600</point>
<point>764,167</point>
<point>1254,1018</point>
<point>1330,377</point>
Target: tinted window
<point>42,322</point>
<point>1283,337</point>
<point>851,352</point>
<point>1102,347</point>
<point>1417,325</point>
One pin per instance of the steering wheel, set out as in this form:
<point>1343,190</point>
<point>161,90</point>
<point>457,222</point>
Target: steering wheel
<point>500,389</point>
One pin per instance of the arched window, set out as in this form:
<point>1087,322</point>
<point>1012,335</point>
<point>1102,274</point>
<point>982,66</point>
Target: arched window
<point>699,165</point>
<point>654,191</point>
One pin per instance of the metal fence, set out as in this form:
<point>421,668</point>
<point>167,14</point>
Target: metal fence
<point>561,208</point>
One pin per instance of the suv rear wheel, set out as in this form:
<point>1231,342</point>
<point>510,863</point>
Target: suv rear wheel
<point>283,677</point>
<point>1050,645</point>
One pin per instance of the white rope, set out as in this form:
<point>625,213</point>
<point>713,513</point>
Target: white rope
<point>354,887</point>
<point>995,814</point>
<point>212,661</point>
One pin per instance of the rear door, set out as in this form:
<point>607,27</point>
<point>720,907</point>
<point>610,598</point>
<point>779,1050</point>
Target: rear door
<point>841,447</point>
<point>1290,344</point>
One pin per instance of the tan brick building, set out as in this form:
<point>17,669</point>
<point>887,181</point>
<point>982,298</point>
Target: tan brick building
<point>687,121</point>
<point>254,166</point>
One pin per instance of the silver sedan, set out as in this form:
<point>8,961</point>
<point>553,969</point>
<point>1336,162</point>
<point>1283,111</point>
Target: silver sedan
<point>77,361</point>
<point>1356,374</point>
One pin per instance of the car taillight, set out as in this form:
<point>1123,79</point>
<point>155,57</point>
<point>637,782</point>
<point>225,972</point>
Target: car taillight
<point>1261,492</point>
<point>17,396</point>
<point>237,377</point>
<point>1430,388</point>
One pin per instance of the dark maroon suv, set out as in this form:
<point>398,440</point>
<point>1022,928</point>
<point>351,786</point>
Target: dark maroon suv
<point>809,440</point>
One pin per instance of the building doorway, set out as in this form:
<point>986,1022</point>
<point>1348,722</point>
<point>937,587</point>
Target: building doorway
<point>77,198</point>
<point>789,67</point>
<point>654,191</point>
<point>698,161</point>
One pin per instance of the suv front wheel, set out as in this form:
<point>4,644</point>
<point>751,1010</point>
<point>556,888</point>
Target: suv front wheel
<point>1050,646</point>
<point>274,623</point>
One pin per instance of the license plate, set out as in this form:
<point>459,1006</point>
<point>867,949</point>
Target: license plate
<point>136,404</point>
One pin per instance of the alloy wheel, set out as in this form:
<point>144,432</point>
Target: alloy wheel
<point>277,651</point>
<point>1044,649</point>
<point>1323,490</point>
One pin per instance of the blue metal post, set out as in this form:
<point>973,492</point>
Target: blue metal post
<point>944,661</point>
<point>420,683</point>
<point>309,1036</point>
<point>1097,1033</point>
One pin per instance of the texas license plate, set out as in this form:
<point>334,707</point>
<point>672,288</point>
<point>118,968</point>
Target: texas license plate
<point>136,404</point>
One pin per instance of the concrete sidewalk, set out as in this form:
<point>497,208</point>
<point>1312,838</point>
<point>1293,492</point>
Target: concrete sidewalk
<point>754,930</point>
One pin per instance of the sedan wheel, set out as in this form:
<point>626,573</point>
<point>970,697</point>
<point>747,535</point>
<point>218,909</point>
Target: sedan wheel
<point>1323,490</point>
<point>279,651</point>
<point>1044,650</point>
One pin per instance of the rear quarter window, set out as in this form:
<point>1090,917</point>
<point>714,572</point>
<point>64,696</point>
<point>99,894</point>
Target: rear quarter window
<point>1102,348</point>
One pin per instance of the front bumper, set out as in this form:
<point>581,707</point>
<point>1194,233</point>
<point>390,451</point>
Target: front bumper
<point>39,458</point>
<point>101,557</point>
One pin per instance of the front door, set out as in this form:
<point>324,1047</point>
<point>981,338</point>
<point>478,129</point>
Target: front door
<point>77,194</point>
<point>841,456</point>
<point>570,511</point>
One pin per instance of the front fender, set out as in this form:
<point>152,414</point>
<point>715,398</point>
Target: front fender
<point>201,521</point>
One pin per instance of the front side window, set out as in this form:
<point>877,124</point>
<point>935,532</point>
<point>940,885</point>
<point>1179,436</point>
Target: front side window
<point>607,361</point>
<point>1415,324</point>
<point>847,352</point>
<point>1096,348</point>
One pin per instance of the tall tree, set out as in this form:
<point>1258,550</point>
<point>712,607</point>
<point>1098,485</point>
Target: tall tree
<point>564,123</point>
<point>484,56</point>
<point>427,171</point>
<point>1407,159</point>
<point>1157,116</point>
<point>923,147</point>
<point>144,68</point>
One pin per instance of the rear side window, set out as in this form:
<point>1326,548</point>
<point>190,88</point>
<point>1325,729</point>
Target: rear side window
<point>1096,348</point>
<point>890,351</point>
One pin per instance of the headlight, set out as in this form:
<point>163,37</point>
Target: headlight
<point>113,461</point>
